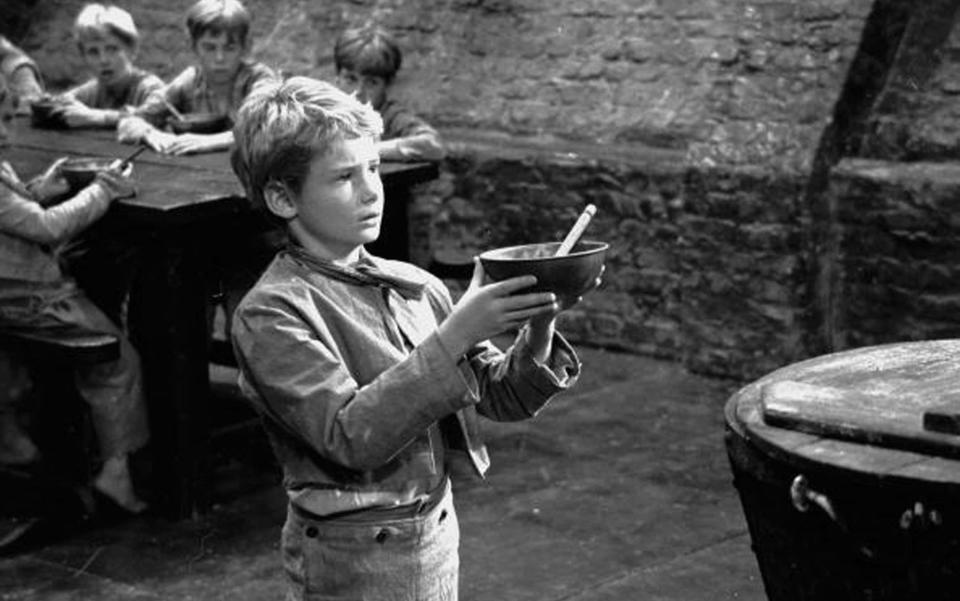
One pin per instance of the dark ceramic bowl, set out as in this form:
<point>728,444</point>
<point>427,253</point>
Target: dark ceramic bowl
<point>80,171</point>
<point>568,276</point>
<point>200,123</point>
<point>42,113</point>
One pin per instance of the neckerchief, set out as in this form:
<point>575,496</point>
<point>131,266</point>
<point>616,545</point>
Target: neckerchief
<point>363,273</point>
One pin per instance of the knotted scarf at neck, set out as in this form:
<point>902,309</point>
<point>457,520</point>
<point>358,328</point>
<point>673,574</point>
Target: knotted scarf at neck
<point>363,273</point>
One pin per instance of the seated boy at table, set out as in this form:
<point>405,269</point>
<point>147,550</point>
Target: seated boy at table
<point>22,75</point>
<point>108,42</point>
<point>367,60</point>
<point>223,77</point>
<point>35,294</point>
<point>367,376</point>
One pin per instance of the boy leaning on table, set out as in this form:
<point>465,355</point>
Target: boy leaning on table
<point>36,294</point>
<point>367,60</point>
<point>368,378</point>
<point>217,84</point>
<point>108,40</point>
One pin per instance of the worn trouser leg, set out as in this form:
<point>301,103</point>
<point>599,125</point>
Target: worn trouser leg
<point>114,390</point>
<point>409,559</point>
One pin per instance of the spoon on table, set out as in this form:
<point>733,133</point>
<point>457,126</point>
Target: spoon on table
<point>576,231</point>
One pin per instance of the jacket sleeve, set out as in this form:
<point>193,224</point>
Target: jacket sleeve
<point>293,373</point>
<point>408,137</point>
<point>512,385</point>
<point>26,218</point>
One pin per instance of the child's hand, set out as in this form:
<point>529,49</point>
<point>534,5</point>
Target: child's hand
<point>50,184</point>
<point>133,130</point>
<point>189,144</point>
<point>487,310</point>
<point>195,143</point>
<point>77,114</point>
<point>117,181</point>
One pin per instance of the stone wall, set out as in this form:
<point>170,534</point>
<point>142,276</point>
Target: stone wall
<point>692,124</point>
<point>898,243</point>
<point>746,82</point>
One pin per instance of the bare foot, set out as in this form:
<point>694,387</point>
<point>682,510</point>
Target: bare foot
<point>114,482</point>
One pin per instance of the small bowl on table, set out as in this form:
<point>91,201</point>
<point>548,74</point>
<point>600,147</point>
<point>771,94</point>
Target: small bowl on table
<point>199,123</point>
<point>568,276</point>
<point>43,113</point>
<point>80,171</point>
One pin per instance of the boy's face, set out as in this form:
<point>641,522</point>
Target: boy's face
<point>220,55</point>
<point>341,201</point>
<point>108,57</point>
<point>368,88</point>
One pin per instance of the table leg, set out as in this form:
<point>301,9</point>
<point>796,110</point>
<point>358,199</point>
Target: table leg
<point>169,326</point>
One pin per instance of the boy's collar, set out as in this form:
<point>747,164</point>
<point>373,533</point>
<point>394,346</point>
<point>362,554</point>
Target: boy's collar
<point>367,271</point>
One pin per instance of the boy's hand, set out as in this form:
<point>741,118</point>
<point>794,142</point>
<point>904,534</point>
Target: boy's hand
<point>133,130</point>
<point>117,181</point>
<point>487,310</point>
<point>542,327</point>
<point>189,144</point>
<point>77,114</point>
<point>50,184</point>
<point>195,143</point>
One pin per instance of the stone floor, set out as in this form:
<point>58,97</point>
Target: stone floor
<point>620,489</point>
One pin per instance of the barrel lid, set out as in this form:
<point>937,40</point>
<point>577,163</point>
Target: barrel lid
<point>859,413</point>
<point>923,425</point>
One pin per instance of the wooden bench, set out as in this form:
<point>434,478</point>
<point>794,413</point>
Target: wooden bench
<point>63,345</point>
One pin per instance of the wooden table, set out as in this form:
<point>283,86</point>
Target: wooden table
<point>181,203</point>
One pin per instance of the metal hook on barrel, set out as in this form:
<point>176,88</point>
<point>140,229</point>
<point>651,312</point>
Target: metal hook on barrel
<point>803,497</point>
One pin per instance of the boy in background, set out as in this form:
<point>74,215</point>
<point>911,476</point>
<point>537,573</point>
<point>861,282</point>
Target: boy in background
<point>368,378</point>
<point>108,42</point>
<point>367,60</point>
<point>36,294</point>
<point>217,84</point>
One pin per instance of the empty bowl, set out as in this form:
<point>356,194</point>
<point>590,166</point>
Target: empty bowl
<point>200,123</point>
<point>568,276</point>
<point>79,172</point>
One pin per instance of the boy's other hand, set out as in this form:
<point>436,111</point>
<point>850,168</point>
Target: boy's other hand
<point>117,181</point>
<point>188,144</point>
<point>160,141</point>
<point>196,143</point>
<point>50,184</point>
<point>486,310</point>
<point>133,129</point>
<point>77,114</point>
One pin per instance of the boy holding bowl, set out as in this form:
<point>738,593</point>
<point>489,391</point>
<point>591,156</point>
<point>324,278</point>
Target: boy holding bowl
<point>368,378</point>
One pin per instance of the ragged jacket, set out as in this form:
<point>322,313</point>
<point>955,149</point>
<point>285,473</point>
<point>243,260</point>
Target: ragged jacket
<point>31,234</point>
<point>348,379</point>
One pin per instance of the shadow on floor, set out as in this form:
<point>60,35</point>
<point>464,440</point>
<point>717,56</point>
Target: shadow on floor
<point>619,489</point>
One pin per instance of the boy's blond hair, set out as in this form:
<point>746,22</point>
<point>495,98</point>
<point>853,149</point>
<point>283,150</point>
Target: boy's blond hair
<point>97,20</point>
<point>283,125</point>
<point>219,16</point>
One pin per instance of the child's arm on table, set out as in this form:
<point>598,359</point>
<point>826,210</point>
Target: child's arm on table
<point>195,143</point>
<point>28,218</point>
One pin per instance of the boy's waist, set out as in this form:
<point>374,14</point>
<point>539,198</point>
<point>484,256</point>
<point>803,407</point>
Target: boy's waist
<point>381,507</point>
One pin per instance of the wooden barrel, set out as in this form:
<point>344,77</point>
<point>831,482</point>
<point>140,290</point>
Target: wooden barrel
<point>848,471</point>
